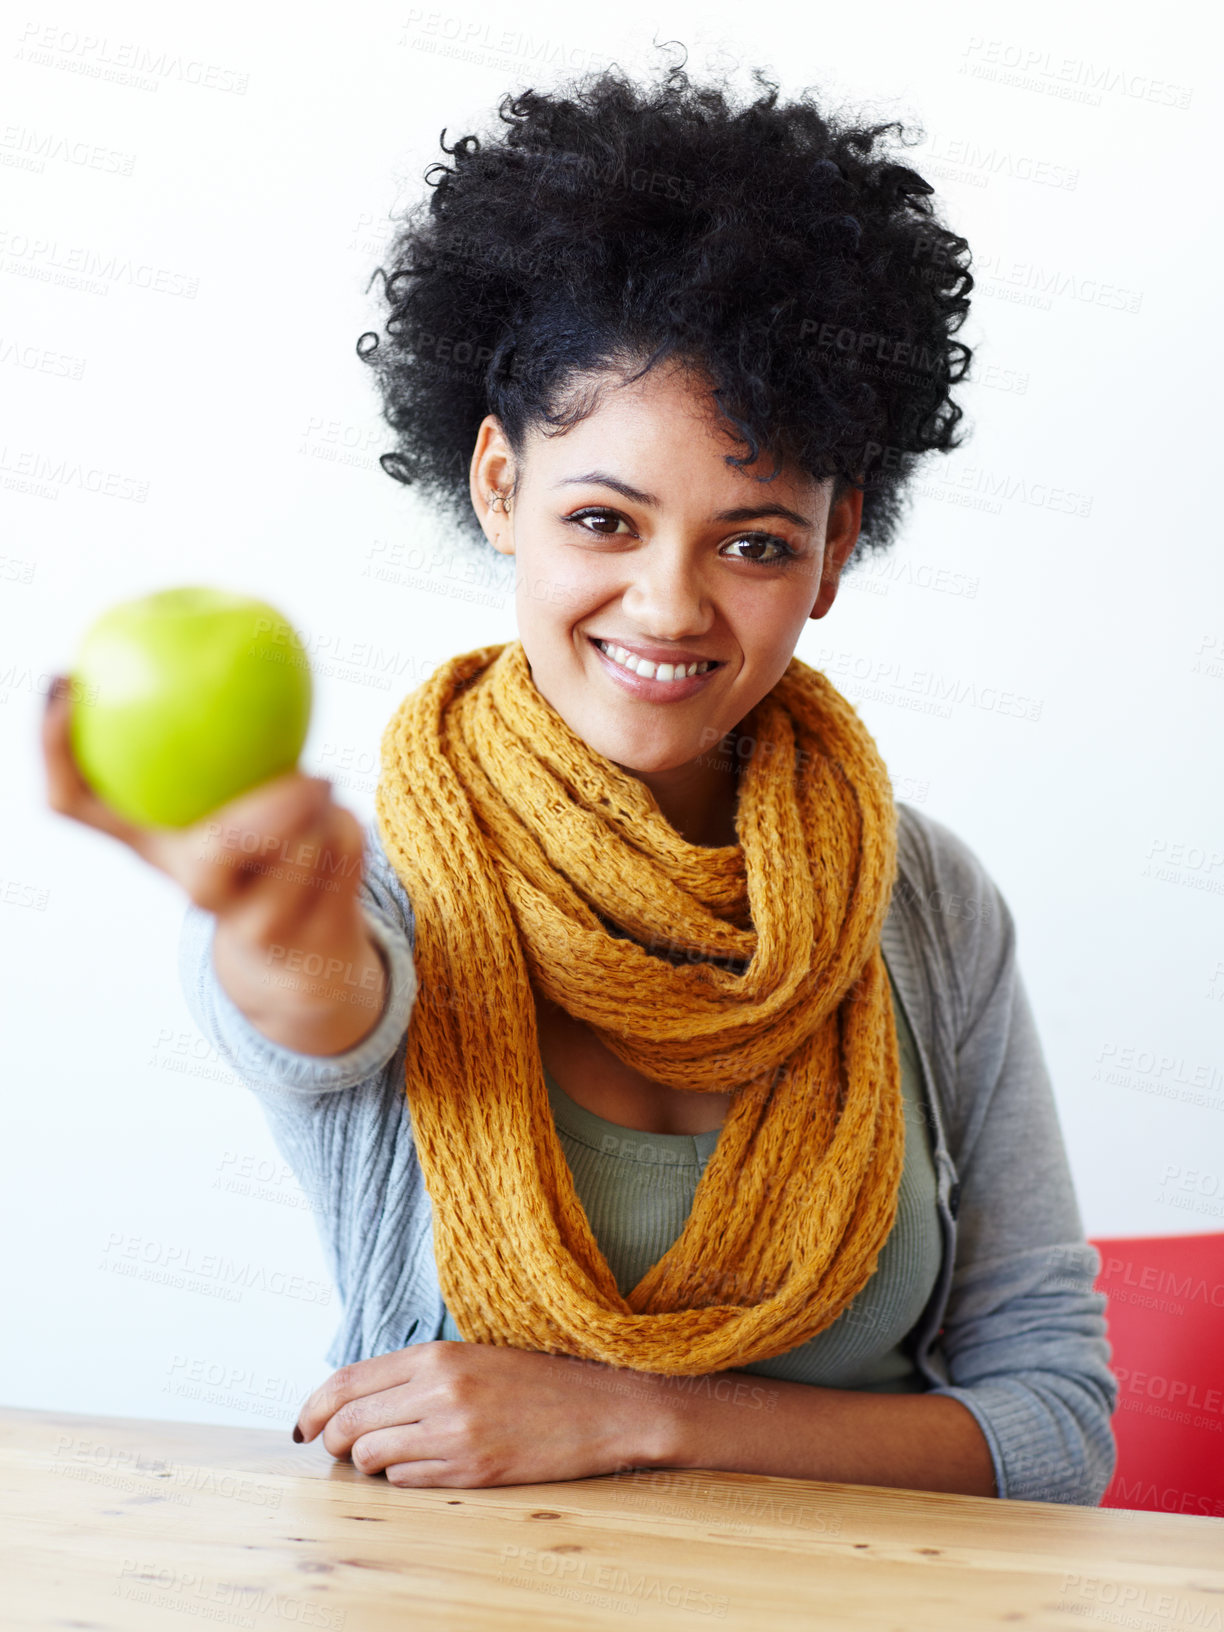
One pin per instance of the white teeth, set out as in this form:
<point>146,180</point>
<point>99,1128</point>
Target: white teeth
<point>651,671</point>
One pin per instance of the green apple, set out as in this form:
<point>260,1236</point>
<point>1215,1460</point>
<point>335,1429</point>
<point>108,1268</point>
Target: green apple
<point>187,698</point>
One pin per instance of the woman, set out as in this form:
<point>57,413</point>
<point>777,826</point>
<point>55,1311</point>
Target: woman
<point>704,1122</point>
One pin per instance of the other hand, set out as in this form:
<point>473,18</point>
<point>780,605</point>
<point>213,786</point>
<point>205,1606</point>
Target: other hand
<point>471,1414</point>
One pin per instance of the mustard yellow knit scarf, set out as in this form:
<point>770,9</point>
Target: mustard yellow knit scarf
<point>515,841</point>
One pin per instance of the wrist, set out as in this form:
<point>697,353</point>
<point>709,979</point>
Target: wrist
<point>634,1410</point>
<point>696,1420</point>
<point>665,1415</point>
<point>291,964</point>
<point>320,991</point>
<point>660,1429</point>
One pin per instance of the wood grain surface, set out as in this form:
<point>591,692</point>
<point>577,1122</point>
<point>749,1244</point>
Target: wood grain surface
<point>115,1525</point>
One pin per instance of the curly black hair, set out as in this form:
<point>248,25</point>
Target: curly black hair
<point>614,225</point>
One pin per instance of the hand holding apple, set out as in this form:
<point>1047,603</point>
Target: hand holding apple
<point>280,864</point>
<point>186,698</point>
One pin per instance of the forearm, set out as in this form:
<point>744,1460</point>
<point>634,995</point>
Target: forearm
<point>315,999</point>
<point>911,1441</point>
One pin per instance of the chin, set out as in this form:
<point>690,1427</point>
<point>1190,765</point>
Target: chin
<point>652,764</point>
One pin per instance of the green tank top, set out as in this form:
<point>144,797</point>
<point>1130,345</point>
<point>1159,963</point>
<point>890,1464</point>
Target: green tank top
<point>637,1189</point>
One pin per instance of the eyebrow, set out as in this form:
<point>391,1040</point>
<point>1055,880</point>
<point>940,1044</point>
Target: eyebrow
<point>748,512</point>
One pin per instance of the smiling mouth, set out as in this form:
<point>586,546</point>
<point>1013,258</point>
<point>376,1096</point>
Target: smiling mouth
<point>652,671</point>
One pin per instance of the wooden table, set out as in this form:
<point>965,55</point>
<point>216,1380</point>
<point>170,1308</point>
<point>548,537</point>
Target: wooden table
<point>120,1523</point>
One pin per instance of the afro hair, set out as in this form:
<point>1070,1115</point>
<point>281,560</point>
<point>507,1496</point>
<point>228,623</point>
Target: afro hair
<point>782,253</point>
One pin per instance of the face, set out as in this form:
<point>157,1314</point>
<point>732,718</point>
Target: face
<point>630,529</point>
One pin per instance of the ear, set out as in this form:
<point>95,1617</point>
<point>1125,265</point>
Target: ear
<point>490,473</point>
<point>841,534</point>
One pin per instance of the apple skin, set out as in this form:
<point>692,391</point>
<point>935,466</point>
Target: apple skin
<point>188,697</point>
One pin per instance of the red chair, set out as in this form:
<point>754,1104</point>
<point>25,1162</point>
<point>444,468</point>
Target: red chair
<point>1166,1330</point>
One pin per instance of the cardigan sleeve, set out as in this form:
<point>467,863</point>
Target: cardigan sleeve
<point>265,1065</point>
<point>1024,1336</point>
<point>352,1151</point>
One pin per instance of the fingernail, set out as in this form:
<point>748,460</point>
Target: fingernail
<point>298,1436</point>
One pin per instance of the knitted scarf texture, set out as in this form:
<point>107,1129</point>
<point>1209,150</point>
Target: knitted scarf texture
<point>532,861</point>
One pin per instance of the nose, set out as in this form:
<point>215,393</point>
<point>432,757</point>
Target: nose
<point>666,596</point>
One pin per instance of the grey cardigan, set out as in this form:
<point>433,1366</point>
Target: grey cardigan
<point>1013,1328</point>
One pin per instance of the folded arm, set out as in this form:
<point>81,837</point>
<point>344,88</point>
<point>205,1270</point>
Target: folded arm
<point>1025,1409</point>
<point>740,1423</point>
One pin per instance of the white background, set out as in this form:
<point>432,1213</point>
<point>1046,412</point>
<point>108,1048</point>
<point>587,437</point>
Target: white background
<point>1079,160</point>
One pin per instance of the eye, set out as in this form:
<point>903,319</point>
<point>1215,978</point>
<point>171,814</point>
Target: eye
<point>612,519</point>
<point>786,552</point>
<point>603,515</point>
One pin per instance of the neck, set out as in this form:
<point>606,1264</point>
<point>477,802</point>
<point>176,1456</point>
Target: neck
<point>699,798</point>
